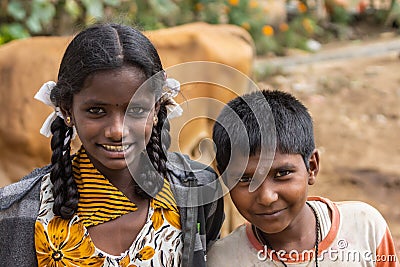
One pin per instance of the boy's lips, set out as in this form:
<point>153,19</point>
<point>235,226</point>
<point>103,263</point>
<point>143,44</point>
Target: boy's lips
<point>270,213</point>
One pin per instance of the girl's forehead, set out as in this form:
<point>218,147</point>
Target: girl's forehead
<point>124,72</point>
<point>116,85</point>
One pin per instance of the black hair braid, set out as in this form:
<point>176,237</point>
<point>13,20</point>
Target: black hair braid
<point>153,165</point>
<point>164,126</point>
<point>65,191</point>
<point>160,141</point>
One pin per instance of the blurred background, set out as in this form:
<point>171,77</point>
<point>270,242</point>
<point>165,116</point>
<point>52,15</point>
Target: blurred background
<point>340,57</point>
<point>273,24</point>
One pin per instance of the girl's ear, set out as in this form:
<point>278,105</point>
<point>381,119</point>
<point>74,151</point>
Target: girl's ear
<point>314,167</point>
<point>68,119</point>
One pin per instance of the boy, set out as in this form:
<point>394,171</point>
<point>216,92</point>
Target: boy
<point>268,182</point>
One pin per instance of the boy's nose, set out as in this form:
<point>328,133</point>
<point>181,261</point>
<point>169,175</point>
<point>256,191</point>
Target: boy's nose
<point>266,193</point>
<point>115,129</point>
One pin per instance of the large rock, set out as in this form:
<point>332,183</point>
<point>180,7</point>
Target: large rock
<point>26,64</point>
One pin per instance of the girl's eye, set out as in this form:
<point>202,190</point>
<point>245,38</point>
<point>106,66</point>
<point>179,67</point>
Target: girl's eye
<point>96,110</point>
<point>281,174</point>
<point>245,179</point>
<point>136,111</point>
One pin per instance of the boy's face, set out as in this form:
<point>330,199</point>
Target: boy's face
<point>278,203</point>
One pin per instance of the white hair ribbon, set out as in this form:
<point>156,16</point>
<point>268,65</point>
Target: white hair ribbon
<point>173,88</point>
<point>43,95</point>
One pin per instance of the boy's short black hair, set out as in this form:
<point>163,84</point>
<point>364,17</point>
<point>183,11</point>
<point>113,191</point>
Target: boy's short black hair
<point>254,119</point>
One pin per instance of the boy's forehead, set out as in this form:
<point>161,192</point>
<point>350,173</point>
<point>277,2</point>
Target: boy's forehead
<point>241,163</point>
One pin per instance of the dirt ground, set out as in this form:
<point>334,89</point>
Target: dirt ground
<point>355,103</point>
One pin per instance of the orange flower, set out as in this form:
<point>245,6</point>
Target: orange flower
<point>173,218</point>
<point>268,30</point>
<point>283,27</point>
<point>234,2</point>
<point>125,262</point>
<point>157,218</point>
<point>253,4</point>
<point>362,6</point>
<point>226,9</point>
<point>145,253</point>
<point>301,7</point>
<point>199,7</point>
<point>307,25</point>
<point>246,25</point>
<point>64,243</point>
<point>171,215</point>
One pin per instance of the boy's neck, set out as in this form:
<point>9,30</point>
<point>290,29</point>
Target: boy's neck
<point>299,236</point>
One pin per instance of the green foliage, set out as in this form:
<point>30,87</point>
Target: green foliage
<point>393,15</point>
<point>11,32</point>
<point>21,18</point>
<point>340,15</point>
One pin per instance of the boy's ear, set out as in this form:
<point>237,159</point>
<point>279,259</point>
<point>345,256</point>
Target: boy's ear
<point>314,167</point>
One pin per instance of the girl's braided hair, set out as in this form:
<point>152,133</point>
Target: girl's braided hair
<point>104,47</point>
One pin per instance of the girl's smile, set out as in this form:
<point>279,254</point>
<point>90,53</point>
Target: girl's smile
<point>118,151</point>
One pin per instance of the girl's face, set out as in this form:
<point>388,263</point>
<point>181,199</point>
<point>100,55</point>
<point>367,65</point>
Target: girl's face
<point>98,112</point>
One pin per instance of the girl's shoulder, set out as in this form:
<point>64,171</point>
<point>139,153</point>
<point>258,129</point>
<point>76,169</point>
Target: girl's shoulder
<point>16,191</point>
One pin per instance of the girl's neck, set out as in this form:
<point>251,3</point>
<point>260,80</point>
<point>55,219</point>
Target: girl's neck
<point>121,179</point>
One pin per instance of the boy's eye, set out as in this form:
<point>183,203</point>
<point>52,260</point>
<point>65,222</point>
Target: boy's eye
<point>96,110</point>
<point>283,173</point>
<point>245,179</point>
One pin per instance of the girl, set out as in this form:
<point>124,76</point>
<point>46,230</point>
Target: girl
<point>118,200</point>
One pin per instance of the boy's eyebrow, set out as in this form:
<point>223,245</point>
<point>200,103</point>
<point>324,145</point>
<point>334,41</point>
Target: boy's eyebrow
<point>283,165</point>
<point>229,174</point>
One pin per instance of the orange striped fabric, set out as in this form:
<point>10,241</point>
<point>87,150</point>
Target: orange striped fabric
<point>100,201</point>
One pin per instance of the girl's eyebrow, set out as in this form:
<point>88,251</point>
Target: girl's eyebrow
<point>94,102</point>
<point>104,103</point>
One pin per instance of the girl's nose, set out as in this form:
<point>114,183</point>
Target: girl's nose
<point>115,129</point>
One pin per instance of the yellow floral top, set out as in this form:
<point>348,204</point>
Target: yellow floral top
<point>61,242</point>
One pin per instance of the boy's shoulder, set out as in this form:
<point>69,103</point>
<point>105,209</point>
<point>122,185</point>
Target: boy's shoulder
<point>361,217</point>
<point>358,208</point>
<point>236,238</point>
<point>354,218</point>
<point>354,208</point>
<point>233,249</point>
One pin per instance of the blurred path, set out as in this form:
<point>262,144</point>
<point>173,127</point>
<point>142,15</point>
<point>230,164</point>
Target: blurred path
<point>340,51</point>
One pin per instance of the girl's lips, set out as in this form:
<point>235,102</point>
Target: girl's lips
<point>117,151</point>
<point>116,148</point>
